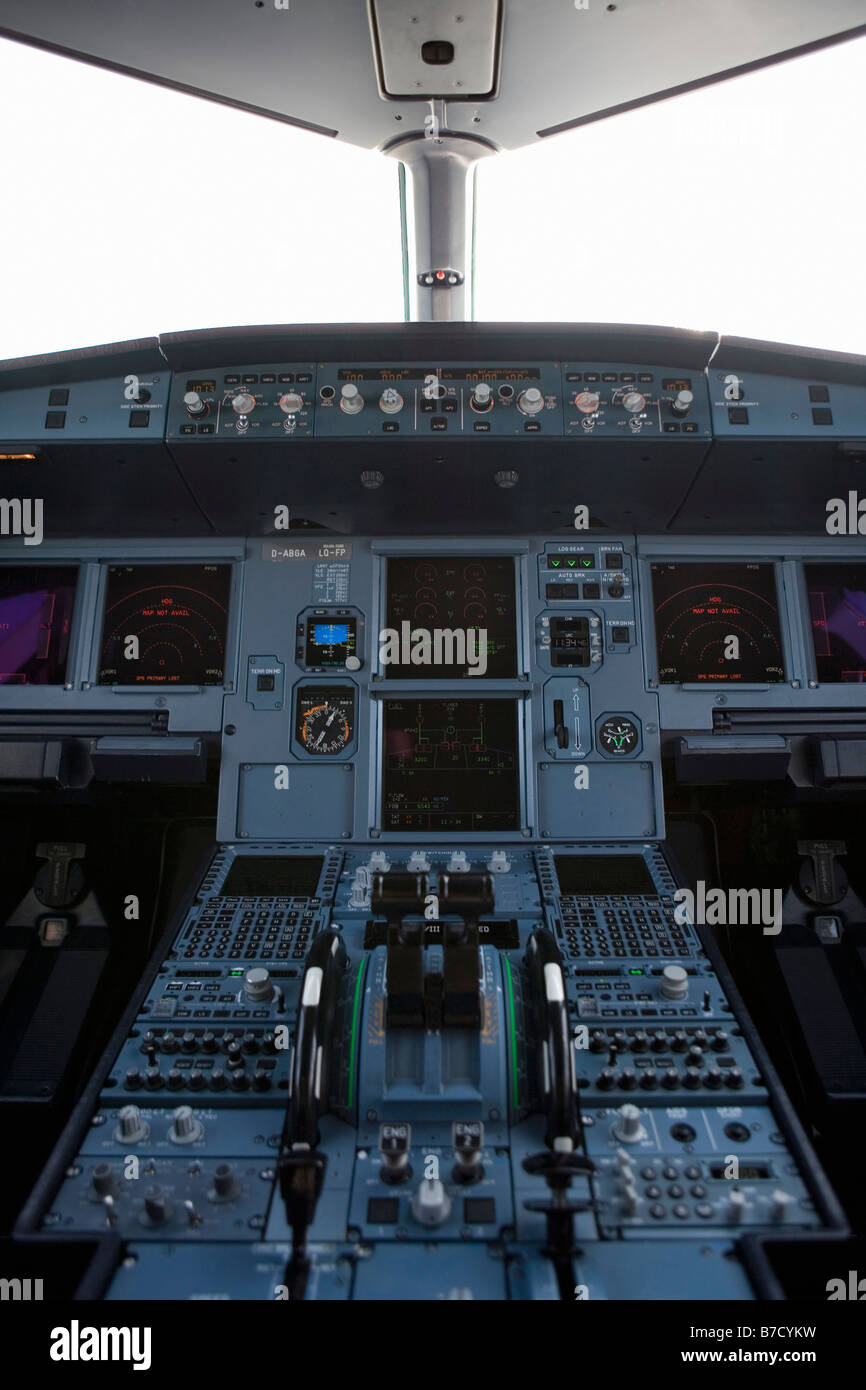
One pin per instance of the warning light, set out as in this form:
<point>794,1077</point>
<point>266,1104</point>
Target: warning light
<point>440,274</point>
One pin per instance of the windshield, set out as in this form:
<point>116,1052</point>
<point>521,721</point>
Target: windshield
<point>133,209</point>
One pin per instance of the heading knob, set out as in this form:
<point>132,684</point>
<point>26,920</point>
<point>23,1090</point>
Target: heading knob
<point>390,401</point>
<point>351,399</point>
<point>530,401</point>
<point>258,985</point>
<point>675,982</point>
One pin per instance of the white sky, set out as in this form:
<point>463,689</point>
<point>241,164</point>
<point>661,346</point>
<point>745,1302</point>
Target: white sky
<point>132,210</point>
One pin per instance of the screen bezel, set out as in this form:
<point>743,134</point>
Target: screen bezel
<point>148,562</point>
<point>72,649</point>
<point>652,651</point>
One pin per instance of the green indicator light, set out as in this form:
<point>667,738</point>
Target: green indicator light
<point>236,972</point>
<point>635,972</point>
<point>354,1043</point>
<point>571,564</point>
<point>554,564</point>
<point>587,563</point>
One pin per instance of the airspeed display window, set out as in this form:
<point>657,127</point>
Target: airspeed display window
<point>165,625</point>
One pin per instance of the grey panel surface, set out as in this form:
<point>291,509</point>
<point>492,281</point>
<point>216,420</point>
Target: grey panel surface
<point>313,65</point>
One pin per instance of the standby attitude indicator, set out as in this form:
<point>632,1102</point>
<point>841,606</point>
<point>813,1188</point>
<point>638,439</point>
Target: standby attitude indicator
<point>325,722</point>
<point>165,625</point>
<point>717,622</point>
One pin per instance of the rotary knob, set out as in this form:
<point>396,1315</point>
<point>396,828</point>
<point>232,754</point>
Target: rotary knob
<point>157,1208</point>
<point>103,1182</point>
<point>627,1127</point>
<point>675,982</point>
<point>482,397</point>
<point>194,404</point>
<point>633,402</point>
<point>530,401</point>
<point>186,1129</point>
<point>291,403</point>
<point>225,1185</point>
<point>390,401</point>
<point>131,1128</point>
<point>243,403</point>
<point>258,985</point>
<point>351,399</point>
<point>682,403</point>
<point>587,401</point>
<point>431,1205</point>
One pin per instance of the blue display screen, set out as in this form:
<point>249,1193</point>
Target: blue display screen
<point>331,634</point>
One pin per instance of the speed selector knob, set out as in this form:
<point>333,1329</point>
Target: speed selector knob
<point>291,403</point>
<point>194,403</point>
<point>682,402</point>
<point>482,397</point>
<point>390,401</point>
<point>243,403</point>
<point>351,399</point>
<point>675,982</point>
<point>530,401</point>
<point>258,985</point>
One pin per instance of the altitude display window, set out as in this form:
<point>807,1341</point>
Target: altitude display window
<point>717,622</point>
<point>165,625</point>
<point>36,604</point>
<point>837,608</point>
<point>450,765</point>
<point>450,616</point>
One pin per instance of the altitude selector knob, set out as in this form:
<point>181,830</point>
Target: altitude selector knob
<point>351,399</point>
<point>530,401</point>
<point>243,403</point>
<point>194,404</point>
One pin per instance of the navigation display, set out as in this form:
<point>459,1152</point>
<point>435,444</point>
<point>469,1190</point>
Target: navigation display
<point>450,765</point>
<point>450,616</point>
<point>36,603</point>
<point>837,607</point>
<point>165,625</point>
<point>717,621</point>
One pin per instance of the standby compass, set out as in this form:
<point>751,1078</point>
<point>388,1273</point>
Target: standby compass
<point>618,736</point>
